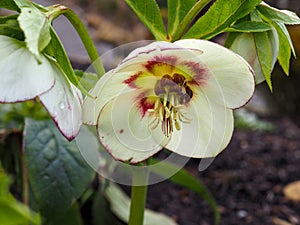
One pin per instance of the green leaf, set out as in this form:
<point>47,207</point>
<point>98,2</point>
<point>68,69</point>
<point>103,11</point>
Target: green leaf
<point>9,4</point>
<point>281,16</point>
<point>285,47</point>
<point>249,26</point>
<point>120,204</point>
<point>9,26</point>
<point>220,16</point>
<point>13,212</point>
<point>101,211</point>
<point>149,13</point>
<point>177,9</point>
<point>57,51</point>
<point>71,217</point>
<point>56,170</point>
<point>264,54</point>
<point>36,29</point>
<point>185,179</point>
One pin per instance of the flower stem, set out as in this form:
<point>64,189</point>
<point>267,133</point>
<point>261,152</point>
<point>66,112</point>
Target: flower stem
<point>55,11</point>
<point>187,20</point>
<point>138,196</point>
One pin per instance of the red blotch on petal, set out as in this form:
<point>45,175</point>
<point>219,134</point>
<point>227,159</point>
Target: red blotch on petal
<point>144,104</point>
<point>199,73</point>
<point>158,60</point>
<point>131,80</point>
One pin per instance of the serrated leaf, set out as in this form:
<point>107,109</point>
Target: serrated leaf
<point>149,13</point>
<point>277,15</point>
<point>249,26</point>
<point>285,50</point>
<point>36,29</point>
<point>220,16</point>
<point>13,212</point>
<point>185,179</point>
<point>9,4</point>
<point>177,9</point>
<point>120,205</point>
<point>56,170</point>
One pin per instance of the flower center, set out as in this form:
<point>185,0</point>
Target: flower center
<point>173,92</point>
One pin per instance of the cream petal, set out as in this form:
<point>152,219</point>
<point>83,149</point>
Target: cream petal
<point>63,102</point>
<point>22,78</point>
<point>209,131</point>
<point>227,70</point>
<point>108,87</point>
<point>124,130</point>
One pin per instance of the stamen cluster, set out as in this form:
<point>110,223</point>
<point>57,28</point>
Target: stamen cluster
<point>172,92</point>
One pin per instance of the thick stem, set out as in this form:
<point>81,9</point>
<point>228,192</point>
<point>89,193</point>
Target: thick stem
<point>55,11</point>
<point>138,196</point>
<point>187,20</point>
<point>86,40</point>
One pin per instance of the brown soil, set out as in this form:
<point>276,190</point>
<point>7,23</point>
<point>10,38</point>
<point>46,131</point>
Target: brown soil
<point>246,180</point>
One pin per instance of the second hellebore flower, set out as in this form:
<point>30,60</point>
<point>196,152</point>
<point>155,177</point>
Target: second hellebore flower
<point>177,96</point>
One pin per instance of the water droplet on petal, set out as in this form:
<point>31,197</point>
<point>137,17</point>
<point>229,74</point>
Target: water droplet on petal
<point>62,105</point>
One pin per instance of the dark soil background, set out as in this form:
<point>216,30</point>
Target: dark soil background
<point>247,181</point>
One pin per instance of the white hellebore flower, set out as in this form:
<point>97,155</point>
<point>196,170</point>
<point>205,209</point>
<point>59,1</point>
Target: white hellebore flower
<point>23,78</point>
<point>177,96</point>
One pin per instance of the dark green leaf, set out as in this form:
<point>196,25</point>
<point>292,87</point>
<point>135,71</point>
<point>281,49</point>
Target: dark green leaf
<point>284,54</point>
<point>71,217</point>
<point>249,26</point>
<point>56,49</point>
<point>9,26</point>
<point>282,16</point>
<point>185,179</point>
<point>177,9</point>
<point>149,13</point>
<point>220,16</point>
<point>9,4</point>
<point>101,212</point>
<point>56,170</point>
<point>264,54</point>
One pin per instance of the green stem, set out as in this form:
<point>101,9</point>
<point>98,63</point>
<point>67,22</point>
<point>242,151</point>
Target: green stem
<point>55,11</point>
<point>138,196</point>
<point>187,20</point>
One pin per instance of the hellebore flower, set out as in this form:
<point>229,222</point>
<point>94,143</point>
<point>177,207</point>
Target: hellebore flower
<point>23,78</point>
<point>177,96</point>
